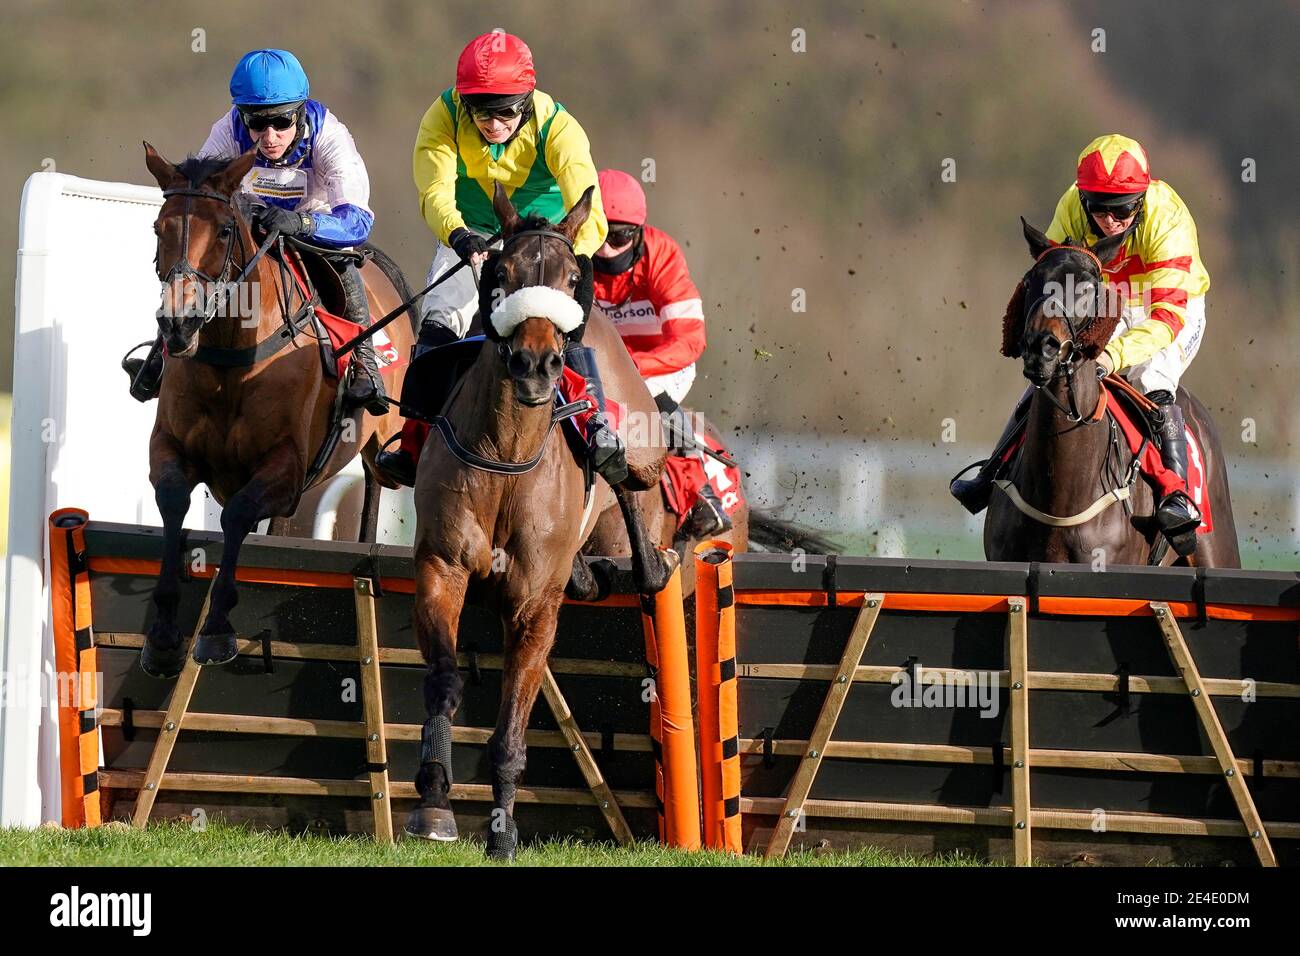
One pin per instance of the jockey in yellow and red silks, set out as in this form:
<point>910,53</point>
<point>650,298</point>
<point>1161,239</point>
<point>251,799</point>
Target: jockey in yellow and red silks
<point>1162,282</point>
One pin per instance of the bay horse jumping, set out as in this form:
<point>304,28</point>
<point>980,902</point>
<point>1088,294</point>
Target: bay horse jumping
<point>236,412</point>
<point>500,511</point>
<point>1070,458</point>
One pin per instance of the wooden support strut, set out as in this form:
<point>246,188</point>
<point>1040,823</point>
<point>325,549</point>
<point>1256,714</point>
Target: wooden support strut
<point>600,790</point>
<point>372,703</point>
<point>171,726</point>
<point>1018,657</point>
<point>1181,655</point>
<point>801,783</point>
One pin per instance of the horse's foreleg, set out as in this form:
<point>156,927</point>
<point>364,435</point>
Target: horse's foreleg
<point>651,568</point>
<point>270,493</point>
<point>439,598</point>
<point>164,647</point>
<point>529,635</point>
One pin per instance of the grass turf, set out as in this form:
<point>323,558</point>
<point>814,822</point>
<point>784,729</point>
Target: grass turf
<point>177,844</point>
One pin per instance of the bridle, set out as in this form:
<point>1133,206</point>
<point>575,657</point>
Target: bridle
<point>1072,358</point>
<point>442,423</point>
<point>182,268</point>
<point>504,351</point>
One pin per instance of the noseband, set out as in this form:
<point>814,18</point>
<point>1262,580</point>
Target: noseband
<point>1072,357</point>
<point>541,235</point>
<point>182,268</point>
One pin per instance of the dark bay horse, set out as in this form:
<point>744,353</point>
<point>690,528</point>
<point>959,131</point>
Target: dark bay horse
<point>250,430</point>
<point>1069,460</point>
<point>510,541</point>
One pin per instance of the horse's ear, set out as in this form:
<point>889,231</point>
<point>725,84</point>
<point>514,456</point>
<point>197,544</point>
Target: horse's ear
<point>1106,249</point>
<point>1038,242</point>
<point>577,216</point>
<point>505,210</point>
<point>227,181</point>
<point>162,170</point>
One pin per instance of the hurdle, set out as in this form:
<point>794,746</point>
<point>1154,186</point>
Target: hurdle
<point>1132,715</point>
<point>316,723</point>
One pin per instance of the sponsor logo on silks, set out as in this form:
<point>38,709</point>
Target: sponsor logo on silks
<point>635,318</point>
<point>103,910</point>
<point>276,183</point>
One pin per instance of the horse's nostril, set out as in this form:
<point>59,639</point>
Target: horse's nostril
<point>553,364</point>
<point>520,365</point>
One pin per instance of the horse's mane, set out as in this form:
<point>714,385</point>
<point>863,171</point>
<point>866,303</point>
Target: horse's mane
<point>534,221</point>
<point>1091,337</point>
<point>199,169</point>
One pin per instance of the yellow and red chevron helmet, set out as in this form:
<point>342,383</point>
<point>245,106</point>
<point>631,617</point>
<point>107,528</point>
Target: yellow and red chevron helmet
<point>1114,164</point>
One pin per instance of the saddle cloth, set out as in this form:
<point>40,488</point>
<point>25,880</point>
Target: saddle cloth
<point>685,476</point>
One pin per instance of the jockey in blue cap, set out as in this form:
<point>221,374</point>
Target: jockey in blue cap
<point>308,181</point>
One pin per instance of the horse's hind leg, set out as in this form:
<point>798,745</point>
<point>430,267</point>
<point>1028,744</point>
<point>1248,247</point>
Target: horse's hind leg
<point>651,568</point>
<point>530,633</point>
<point>440,595</point>
<point>164,647</point>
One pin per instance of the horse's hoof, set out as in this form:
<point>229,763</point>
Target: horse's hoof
<point>671,560</point>
<point>432,823</point>
<point>501,844</point>
<point>215,648</point>
<point>163,653</point>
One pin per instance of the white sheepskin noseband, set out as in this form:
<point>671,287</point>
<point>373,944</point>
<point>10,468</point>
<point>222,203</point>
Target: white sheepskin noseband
<point>536,301</point>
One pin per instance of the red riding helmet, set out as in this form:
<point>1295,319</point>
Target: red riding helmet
<point>497,64</point>
<point>621,197</point>
<point>1113,164</point>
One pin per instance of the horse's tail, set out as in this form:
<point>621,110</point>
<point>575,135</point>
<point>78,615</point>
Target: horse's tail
<point>775,534</point>
<point>395,276</point>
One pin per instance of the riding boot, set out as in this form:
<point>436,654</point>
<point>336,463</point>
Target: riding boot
<point>708,516</point>
<point>367,385</point>
<point>1177,515</point>
<point>432,334</point>
<point>145,373</point>
<point>974,493</point>
<point>605,449</point>
<point>399,464</point>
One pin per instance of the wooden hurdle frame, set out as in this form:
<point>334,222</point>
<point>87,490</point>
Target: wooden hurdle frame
<point>1022,816</point>
<point>371,730</point>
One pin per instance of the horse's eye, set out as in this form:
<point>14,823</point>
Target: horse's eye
<point>226,230</point>
<point>501,276</point>
<point>573,278</point>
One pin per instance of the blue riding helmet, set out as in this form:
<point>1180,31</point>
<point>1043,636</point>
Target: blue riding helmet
<point>268,77</point>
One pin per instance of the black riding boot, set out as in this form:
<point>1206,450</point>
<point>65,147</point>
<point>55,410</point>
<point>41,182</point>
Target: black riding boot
<point>1177,515</point>
<point>974,493</point>
<point>399,464</point>
<point>367,385</point>
<point>432,334</point>
<point>707,517</point>
<point>145,373</point>
<point>604,448</point>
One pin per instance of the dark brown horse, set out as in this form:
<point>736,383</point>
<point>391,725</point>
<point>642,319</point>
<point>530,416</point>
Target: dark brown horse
<point>510,540</point>
<point>1069,460</point>
<point>249,430</point>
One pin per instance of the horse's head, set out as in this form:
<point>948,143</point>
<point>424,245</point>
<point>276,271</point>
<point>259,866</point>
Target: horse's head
<point>1062,313</point>
<point>198,229</point>
<point>533,293</point>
